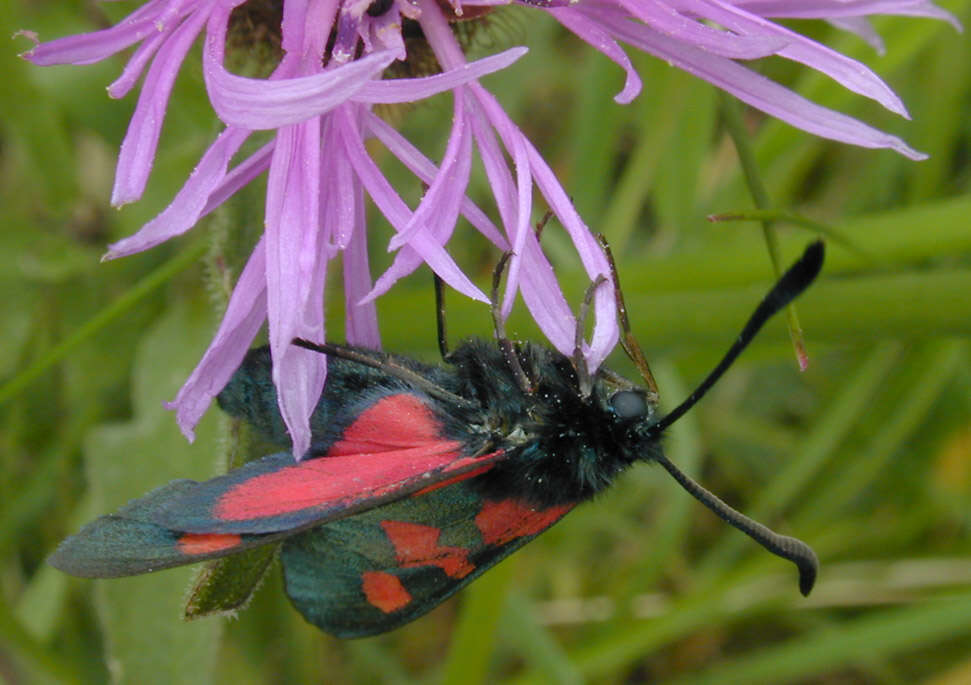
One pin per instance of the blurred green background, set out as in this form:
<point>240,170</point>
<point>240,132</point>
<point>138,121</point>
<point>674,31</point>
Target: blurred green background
<point>866,456</point>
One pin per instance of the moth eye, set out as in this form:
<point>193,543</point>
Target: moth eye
<point>628,404</point>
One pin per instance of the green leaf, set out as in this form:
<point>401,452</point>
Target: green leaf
<point>225,586</point>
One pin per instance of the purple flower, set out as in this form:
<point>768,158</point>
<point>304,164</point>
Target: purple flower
<point>708,38</point>
<point>318,102</point>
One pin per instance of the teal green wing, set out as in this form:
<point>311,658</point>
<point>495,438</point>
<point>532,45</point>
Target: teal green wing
<point>375,571</point>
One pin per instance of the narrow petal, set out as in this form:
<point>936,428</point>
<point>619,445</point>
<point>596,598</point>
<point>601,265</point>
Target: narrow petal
<point>136,64</point>
<point>339,211</point>
<point>605,333</point>
<point>763,93</point>
<point>864,29</point>
<point>292,227</point>
<point>137,152</point>
<point>832,9</point>
<point>413,89</point>
<point>360,320</point>
<point>295,270</point>
<point>425,250</point>
<point>241,322</point>
<point>423,247</point>
<point>594,35</point>
<point>500,178</point>
<point>440,202</point>
<point>260,104</point>
<point>544,299</point>
<point>848,72</point>
<point>521,229</point>
<point>191,202</point>
<point>664,18</point>
<point>299,377</point>
<point>425,169</point>
<point>605,329</point>
<point>88,48</point>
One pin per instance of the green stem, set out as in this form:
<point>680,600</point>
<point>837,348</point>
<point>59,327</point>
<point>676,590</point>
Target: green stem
<point>782,216</point>
<point>106,316</point>
<point>753,179</point>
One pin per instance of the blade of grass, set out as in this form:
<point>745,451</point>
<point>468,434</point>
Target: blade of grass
<point>879,634</point>
<point>473,640</point>
<point>536,645</point>
<point>731,111</point>
<point>938,361</point>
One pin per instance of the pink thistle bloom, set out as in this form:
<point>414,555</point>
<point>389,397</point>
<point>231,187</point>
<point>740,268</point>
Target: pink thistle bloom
<point>708,38</point>
<point>319,173</point>
<point>318,101</point>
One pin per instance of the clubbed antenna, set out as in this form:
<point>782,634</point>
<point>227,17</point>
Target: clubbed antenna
<point>788,288</point>
<point>796,551</point>
<point>793,282</point>
<point>505,344</point>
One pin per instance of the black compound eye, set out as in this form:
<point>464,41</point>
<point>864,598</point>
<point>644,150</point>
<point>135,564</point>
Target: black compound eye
<point>628,404</point>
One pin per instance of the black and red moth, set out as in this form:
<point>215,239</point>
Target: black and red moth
<point>419,477</point>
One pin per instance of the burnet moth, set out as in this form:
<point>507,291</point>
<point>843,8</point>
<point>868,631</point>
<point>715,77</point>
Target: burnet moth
<point>420,477</point>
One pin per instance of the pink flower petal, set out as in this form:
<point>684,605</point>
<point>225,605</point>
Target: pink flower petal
<point>136,64</point>
<point>424,169</point>
<point>593,34</point>
<point>414,89</point>
<point>449,183</point>
<point>663,18</point>
<point>295,270</point>
<point>88,48</point>
<point>761,92</point>
<point>259,104</point>
<point>848,72</point>
<point>138,148</point>
<point>241,322</point>
<point>192,201</point>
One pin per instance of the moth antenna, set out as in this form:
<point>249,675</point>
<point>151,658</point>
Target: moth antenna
<point>627,340</point>
<point>508,349</point>
<point>793,549</point>
<point>584,381</point>
<point>787,288</point>
<point>389,366</point>
<point>440,316</point>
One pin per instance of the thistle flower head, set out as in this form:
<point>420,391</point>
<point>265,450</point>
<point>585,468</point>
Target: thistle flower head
<point>316,101</point>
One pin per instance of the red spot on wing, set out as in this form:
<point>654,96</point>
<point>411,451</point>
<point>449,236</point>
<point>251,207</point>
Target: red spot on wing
<point>417,545</point>
<point>206,543</point>
<point>392,423</point>
<point>394,441</point>
<point>505,520</point>
<point>384,591</point>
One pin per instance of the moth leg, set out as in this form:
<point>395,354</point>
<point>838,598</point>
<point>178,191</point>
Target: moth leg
<point>506,345</point>
<point>579,362</point>
<point>627,340</point>
<point>541,224</point>
<point>440,317</point>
